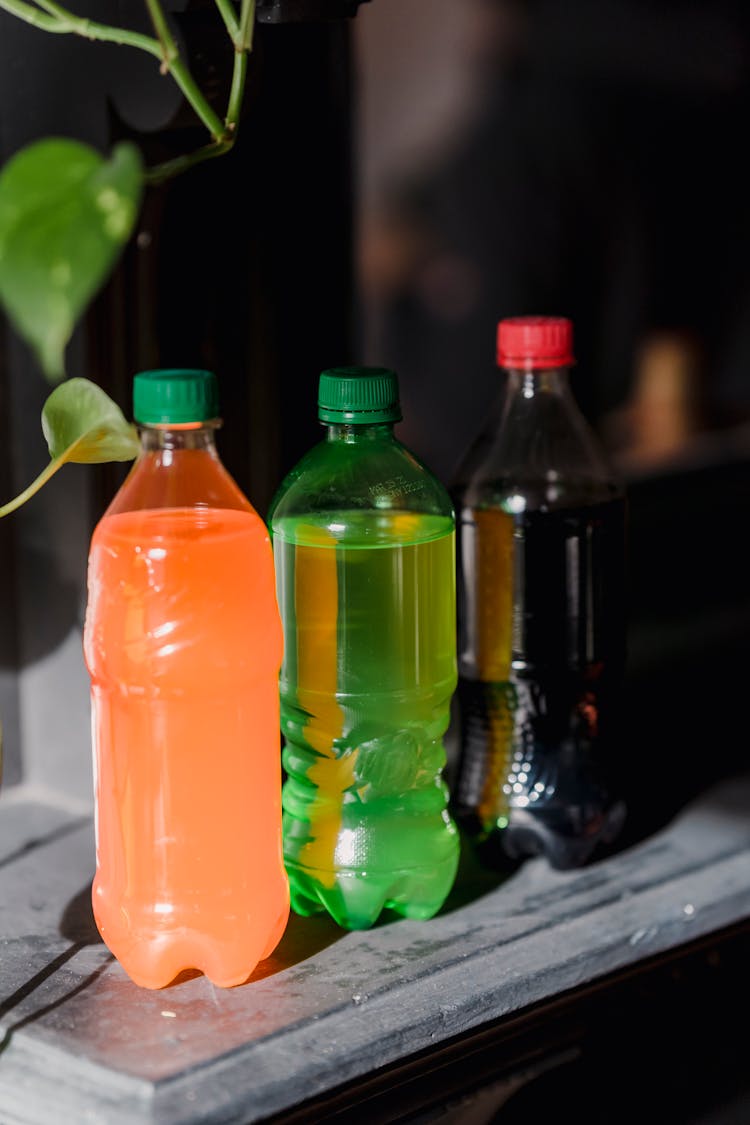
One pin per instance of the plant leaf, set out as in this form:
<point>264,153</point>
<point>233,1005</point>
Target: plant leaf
<point>80,423</point>
<point>65,215</point>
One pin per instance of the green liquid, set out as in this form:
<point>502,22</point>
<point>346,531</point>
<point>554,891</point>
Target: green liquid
<point>368,605</point>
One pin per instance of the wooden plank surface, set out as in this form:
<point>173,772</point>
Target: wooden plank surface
<point>80,1042</point>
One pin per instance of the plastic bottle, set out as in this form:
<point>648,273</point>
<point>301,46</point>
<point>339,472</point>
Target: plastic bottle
<point>542,617</point>
<point>364,545</point>
<point>182,641</point>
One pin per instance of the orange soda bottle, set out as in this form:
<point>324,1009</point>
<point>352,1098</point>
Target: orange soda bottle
<point>183,645</point>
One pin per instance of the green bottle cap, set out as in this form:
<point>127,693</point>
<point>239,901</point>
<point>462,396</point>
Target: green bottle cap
<point>358,395</point>
<point>175,395</point>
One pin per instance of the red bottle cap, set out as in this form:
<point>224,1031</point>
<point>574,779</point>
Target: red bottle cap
<point>526,342</point>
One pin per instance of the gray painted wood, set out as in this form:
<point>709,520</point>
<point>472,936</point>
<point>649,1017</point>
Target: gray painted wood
<point>81,1042</point>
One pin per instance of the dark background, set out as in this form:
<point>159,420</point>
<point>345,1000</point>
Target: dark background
<point>596,171</point>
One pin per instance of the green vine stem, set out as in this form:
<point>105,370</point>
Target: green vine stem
<point>243,45</point>
<point>59,20</point>
<point>169,168</point>
<point>163,34</point>
<point>51,16</point>
<point>31,15</point>
<point>239,73</point>
<point>244,41</point>
<point>193,94</point>
<point>47,472</point>
<point>228,14</point>
<point>161,172</point>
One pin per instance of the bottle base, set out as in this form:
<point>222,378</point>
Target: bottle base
<point>540,833</point>
<point>355,900</point>
<point>156,961</point>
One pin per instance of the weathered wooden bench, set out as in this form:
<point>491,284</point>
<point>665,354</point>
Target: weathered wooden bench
<point>337,1020</point>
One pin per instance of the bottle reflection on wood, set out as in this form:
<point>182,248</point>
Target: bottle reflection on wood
<point>542,625</point>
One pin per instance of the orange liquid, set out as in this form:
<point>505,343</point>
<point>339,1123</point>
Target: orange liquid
<point>183,645</point>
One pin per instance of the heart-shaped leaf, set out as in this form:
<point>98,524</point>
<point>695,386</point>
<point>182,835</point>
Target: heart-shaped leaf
<point>65,215</point>
<point>82,424</point>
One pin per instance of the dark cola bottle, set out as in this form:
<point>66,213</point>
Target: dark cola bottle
<point>542,617</point>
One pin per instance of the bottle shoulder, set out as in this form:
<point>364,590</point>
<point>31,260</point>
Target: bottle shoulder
<point>379,476</point>
<point>187,478</point>
<point>549,457</point>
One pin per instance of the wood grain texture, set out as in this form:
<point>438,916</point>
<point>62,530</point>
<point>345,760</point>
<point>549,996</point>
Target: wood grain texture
<point>81,1042</point>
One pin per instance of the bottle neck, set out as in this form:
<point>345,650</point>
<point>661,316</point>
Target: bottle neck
<point>192,435</point>
<point>529,384</point>
<point>178,467</point>
<point>359,433</point>
<point>543,452</point>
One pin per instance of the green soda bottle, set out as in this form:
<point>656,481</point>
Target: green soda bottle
<point>364,548</point>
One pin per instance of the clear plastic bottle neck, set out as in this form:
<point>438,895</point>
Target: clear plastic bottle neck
<point>542,451</point>
<point>188,435</point>
<point>528,384</point>
<point>541,397</point>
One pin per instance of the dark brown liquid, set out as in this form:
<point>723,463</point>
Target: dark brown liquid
<point>543,655</point>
